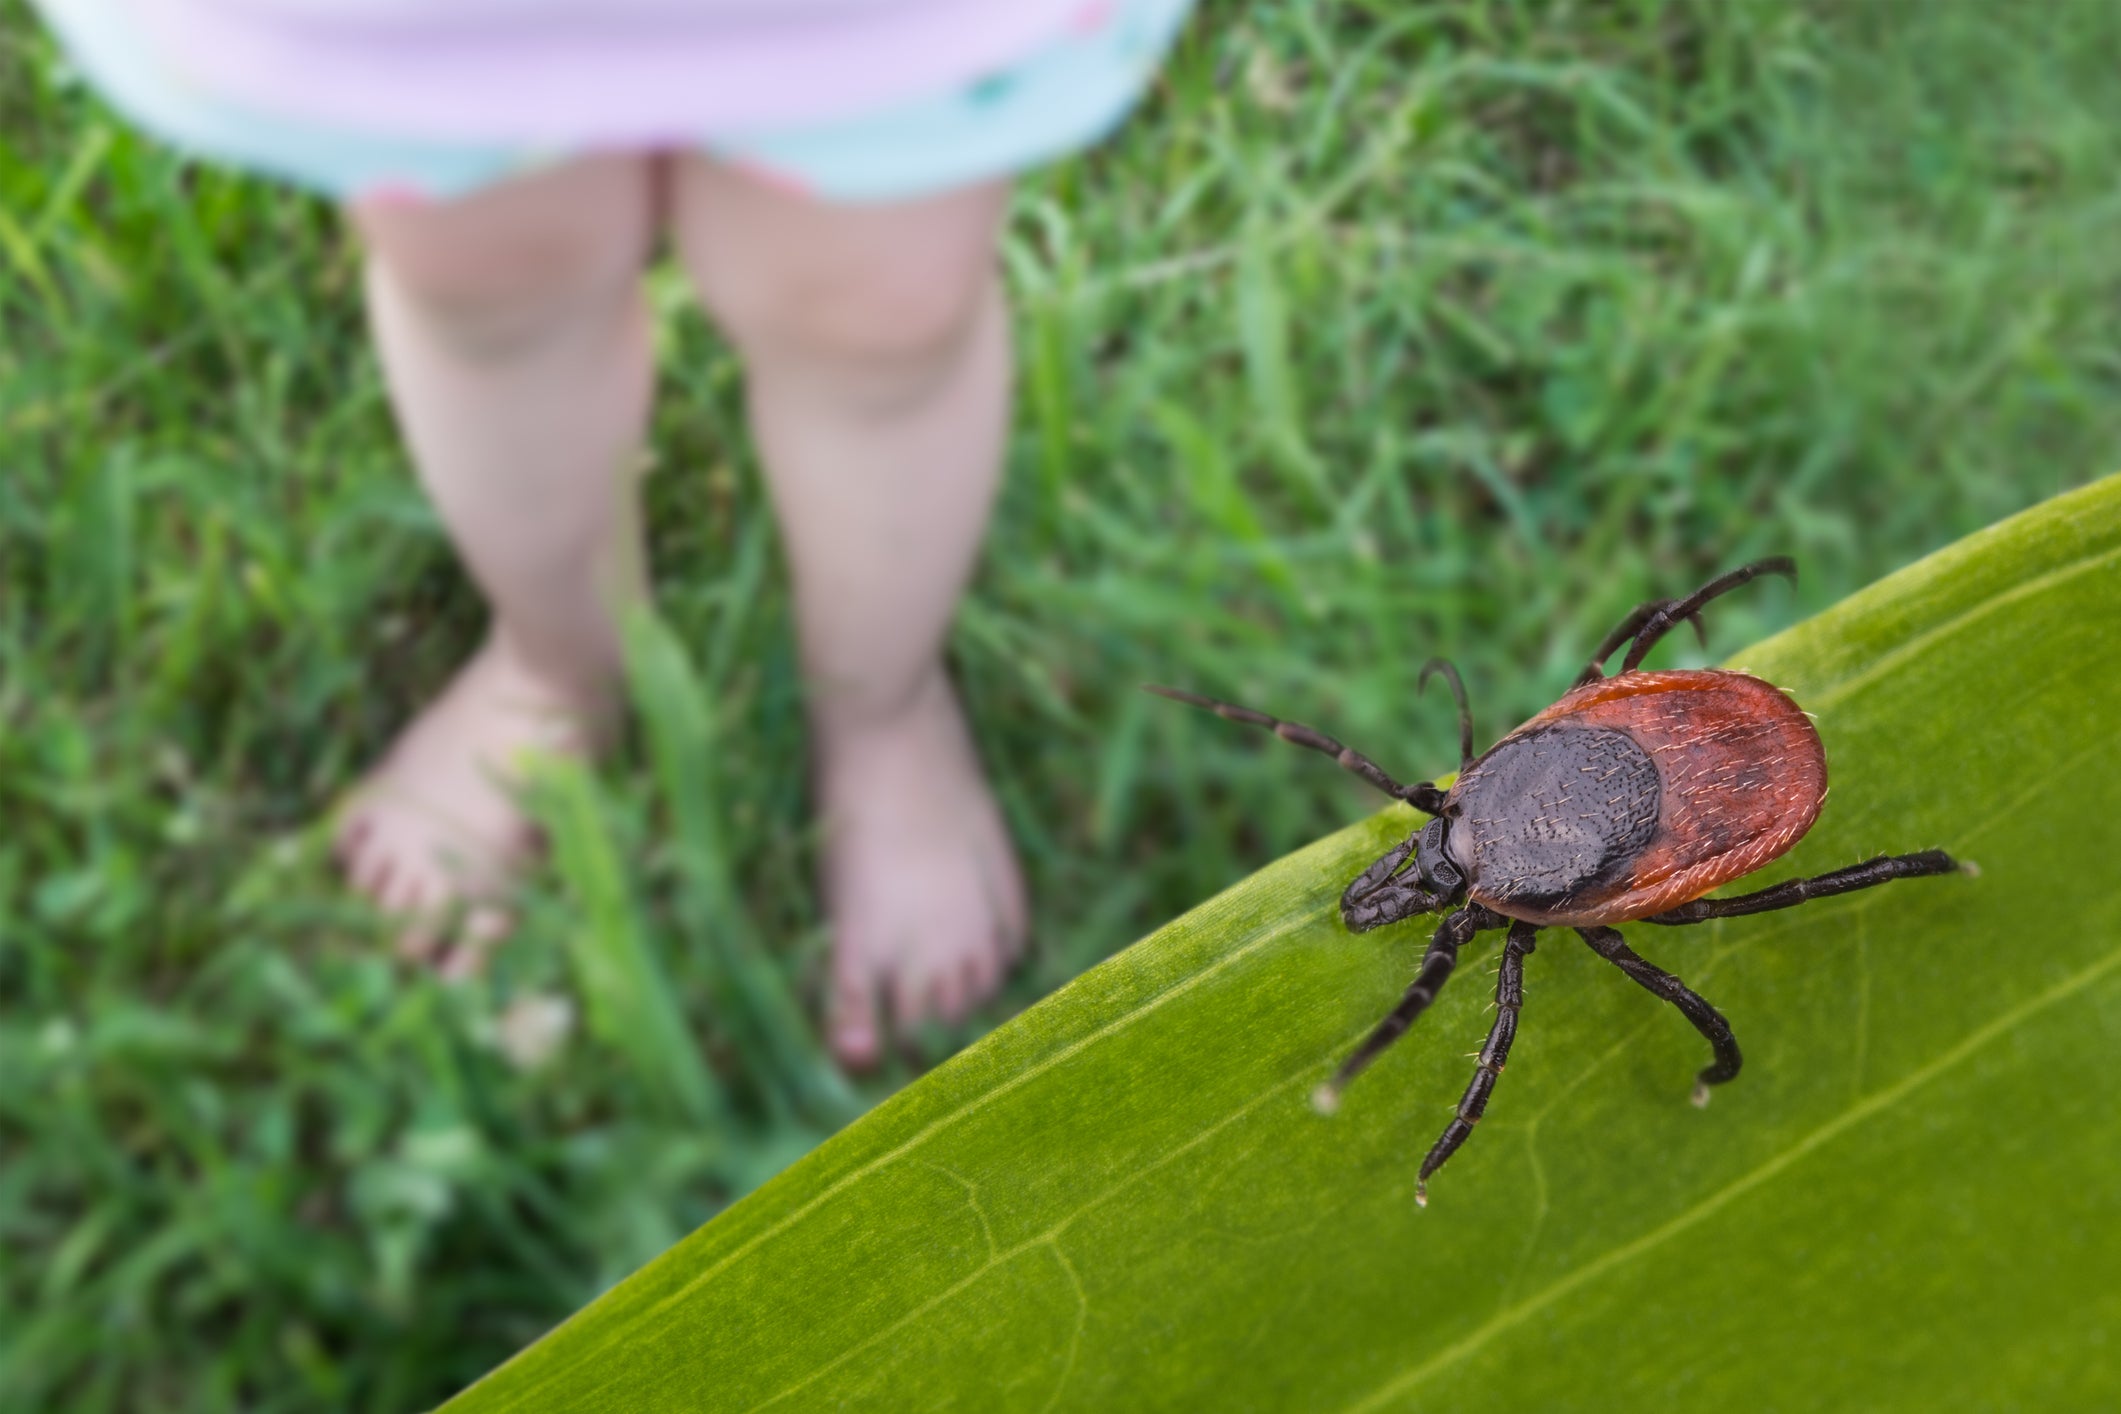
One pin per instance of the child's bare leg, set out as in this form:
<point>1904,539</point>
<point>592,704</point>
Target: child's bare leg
<point>876,343</point>
<point>515,344</point>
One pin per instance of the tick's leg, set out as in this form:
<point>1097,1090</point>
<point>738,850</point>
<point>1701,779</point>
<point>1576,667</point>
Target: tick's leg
<point>1608,944</point>
<point>1509,996</point>
<point>1625,630</point>
<point>1668,616</point>
<point>1436,967</point>
<point>1423,795</point>
<point>1869,874</point>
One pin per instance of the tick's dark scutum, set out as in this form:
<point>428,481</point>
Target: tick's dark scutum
<point>1553,810</point>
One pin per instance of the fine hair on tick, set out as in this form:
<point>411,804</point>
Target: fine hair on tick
<point>1628,800</point>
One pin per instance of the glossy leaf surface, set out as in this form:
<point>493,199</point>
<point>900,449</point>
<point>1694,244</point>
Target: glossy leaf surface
<point>1908,1199</point>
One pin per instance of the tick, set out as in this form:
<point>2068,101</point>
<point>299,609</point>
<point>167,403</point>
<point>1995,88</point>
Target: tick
<point>1626,801</point>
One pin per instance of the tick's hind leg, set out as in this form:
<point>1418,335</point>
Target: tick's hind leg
<point>1509,996</point>
<point>1422,795</point>
<point>1451,935</point>
<point>1608,944</point>
<point>1867,875</point>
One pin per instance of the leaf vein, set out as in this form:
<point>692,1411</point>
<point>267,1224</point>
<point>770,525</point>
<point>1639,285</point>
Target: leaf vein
<point>972,1199</point>
<point>1075,1337</point>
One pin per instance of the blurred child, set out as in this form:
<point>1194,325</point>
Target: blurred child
<point>831,174</point>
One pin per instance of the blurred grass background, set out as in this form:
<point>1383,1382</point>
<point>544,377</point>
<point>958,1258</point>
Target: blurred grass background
<point>1387,329</point>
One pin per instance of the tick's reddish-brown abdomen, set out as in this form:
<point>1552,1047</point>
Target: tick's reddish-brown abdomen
<point>1741,776</point>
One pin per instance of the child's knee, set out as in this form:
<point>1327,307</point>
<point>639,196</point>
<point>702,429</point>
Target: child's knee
<point>912,312</point>
<point>844,284</point>
<point>501,269</point>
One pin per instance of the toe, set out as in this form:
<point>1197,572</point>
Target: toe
<point>855,1035</point>
<point>346,845</point>
<point>947,995</point>
<point>413,898</point>
<point>420,940</point>
<point>1005,896</point>
<point>368,869</point>
<point>483,927</point>
<point>404,889</point>
<point>909,998</point>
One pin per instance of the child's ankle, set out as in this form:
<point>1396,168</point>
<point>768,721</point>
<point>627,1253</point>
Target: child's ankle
<point>851,717</point>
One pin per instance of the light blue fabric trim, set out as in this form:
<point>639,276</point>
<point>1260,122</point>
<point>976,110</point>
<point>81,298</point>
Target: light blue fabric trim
<point>1062,98</point>
<point>106,46</point>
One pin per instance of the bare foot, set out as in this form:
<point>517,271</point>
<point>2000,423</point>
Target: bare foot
<point>435,834</point>
<point>921,882</point>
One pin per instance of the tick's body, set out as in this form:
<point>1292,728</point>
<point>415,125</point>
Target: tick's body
<point>1633,794</point>
<point>1628,799</point>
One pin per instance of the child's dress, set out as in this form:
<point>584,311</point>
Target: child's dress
<point>846,99</point>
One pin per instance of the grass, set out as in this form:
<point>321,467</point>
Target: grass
<point>1387,329</point>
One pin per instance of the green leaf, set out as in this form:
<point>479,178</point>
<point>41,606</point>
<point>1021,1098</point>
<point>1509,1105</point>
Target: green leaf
<point>1908,1199</point>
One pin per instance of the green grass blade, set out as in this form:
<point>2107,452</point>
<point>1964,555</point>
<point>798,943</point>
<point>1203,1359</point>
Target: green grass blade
<point>630,1003</point>
<point>752,996</point>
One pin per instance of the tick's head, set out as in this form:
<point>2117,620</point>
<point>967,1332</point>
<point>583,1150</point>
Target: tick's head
<point>1392,889</point>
